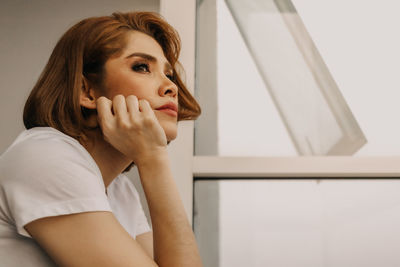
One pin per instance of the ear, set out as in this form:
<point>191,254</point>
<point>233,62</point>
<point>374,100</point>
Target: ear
<point>87,96</point>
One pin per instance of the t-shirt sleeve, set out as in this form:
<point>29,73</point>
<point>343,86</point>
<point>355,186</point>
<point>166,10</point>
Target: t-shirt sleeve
<point>141,223</point>
<point>51,177</point>
<point>126,205</point>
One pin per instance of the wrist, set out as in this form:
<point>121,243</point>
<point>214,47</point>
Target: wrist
<point>152,157</point>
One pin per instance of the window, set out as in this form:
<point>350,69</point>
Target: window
<point>259,198</point>
<point>269,86</point>
<point>301,222</point>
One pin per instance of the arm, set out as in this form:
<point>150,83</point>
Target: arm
<point>174,242</point>
<point>146,242</point>
<point>88,239</point>
<point>97,238</point>
<point>134,130</point>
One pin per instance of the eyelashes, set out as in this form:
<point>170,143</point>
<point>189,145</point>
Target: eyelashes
<point>171,77</point>
<point>142,67</point>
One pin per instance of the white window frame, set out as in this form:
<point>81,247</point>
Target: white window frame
<point>292,167</point>
<point>186,167</point>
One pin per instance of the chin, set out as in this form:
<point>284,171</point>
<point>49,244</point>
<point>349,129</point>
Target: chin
<point>171,130</point>
<point>169,124</point>
<point>171,135</point>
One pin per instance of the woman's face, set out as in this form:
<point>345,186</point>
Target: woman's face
<point>142,70</point>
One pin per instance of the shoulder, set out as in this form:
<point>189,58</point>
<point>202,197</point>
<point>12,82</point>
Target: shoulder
<point>43,144</point>
<point>45,156</point>
<point>45,173</point>
<point>44,148</point>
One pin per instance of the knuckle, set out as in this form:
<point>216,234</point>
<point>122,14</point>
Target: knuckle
<point>148,120</point>
<point>122,124</point>
<point>136,123</point>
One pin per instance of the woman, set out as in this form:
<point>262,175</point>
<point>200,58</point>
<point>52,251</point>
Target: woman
<point>109,97</point>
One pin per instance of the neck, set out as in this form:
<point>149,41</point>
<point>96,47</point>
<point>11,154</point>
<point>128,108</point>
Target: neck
<point>110,161</point>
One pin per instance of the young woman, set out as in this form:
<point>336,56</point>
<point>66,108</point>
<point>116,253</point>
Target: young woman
<point>109,97</point>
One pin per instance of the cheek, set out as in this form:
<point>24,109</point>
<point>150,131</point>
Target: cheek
<point>125,85</point>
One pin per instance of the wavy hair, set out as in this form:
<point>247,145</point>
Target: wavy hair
<point>81,53</point>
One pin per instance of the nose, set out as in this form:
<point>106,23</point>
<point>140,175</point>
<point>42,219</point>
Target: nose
<point>168,88</point>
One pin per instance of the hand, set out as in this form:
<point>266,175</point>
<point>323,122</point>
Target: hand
<point>133,129</point>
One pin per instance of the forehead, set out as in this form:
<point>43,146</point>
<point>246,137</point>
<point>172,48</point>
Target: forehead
<point>140,42</point>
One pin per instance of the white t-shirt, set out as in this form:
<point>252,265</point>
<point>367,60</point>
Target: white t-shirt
<point>47,173</point>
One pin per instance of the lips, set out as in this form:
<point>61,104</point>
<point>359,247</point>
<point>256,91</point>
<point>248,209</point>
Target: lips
<point>170,109</point>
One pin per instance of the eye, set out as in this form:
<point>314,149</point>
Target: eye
<point>141,67</point>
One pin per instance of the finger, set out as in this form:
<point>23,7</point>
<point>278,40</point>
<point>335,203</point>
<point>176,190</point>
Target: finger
<point>119,106</point>
<point>132,104</point>
<point>104,110</point>
<point>144,107</point>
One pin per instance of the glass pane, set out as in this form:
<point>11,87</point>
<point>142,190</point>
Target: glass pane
<point>266,90</point>
<point>311,106</point>
<point>298,223</point>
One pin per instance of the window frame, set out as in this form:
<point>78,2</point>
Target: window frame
<point>187,167</point>
<point>292,167</point>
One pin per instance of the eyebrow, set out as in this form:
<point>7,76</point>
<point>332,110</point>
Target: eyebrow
<point>150,58</point>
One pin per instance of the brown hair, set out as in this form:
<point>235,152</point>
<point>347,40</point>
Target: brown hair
<point>82,52</point>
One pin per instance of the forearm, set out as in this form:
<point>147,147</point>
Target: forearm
<point>174,242</point>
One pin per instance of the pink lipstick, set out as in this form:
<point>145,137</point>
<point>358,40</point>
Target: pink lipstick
<point>170,109</point>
